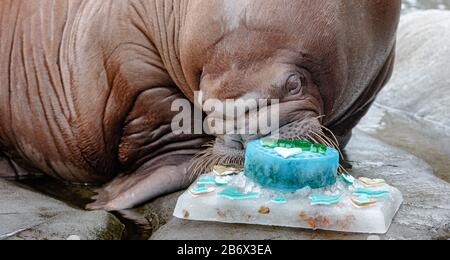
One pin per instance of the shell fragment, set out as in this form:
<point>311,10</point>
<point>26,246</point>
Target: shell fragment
<point>201,189</point>
<point>363,201</point>
<point>372,182</point>
<point>225,170</point>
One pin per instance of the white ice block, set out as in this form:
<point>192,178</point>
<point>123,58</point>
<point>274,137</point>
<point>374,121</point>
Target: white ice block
<point>296,212</point>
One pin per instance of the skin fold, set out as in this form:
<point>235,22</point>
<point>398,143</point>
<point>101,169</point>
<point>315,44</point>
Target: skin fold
<point>86,86</point>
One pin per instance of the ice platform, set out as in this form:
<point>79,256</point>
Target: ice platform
<point>356,206</point>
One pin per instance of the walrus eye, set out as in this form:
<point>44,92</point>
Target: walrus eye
<point>294,84</point>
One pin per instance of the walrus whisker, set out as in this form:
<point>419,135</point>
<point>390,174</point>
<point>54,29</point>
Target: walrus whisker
<point>341,169</point>
<point>333,145</point>
<point>332,134</point>
<point>204,162</point>
<point>337,148</point>
<point>313,139</point>
<point>321,139</point>
<point>336,145</point>
<point>309,138</point>
<point>320,117</point>
<point>340,153</point>
<point>196,168</point>
<point>324,136</point>
<point>209,144</point>
<point>331,141</point>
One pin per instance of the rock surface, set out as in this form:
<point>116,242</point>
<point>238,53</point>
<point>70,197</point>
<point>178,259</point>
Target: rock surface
<point>420,85</point>
<point>413,111</point>
<point>425,213</point>
<point>25,214</point>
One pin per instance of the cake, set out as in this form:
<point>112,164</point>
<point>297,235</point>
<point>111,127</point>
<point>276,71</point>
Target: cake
<point>291,165</point>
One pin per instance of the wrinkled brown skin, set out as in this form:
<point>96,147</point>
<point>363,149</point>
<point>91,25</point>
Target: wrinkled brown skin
<point>86,85</point>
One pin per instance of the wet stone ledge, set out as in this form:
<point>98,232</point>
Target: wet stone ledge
<point>26,214</point>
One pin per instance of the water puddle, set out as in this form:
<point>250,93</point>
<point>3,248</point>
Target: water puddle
<point>418,138</point>
<point>139,223</point>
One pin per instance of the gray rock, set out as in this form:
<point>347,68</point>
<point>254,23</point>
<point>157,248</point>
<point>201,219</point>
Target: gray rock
<point>420,85</point>
<point>425,213</point>
<point>164,207</point>
<point>25,214</point>
<point>413,111</point>
<point>143,221</point>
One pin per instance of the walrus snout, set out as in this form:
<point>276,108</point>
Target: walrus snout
<point>266,97</point>
<point>232,142</point>
<point>300,129</point>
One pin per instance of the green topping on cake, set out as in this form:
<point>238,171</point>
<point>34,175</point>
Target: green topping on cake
<point>302,144</point>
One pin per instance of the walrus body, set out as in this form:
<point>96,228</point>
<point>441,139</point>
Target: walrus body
<point>86,86</point>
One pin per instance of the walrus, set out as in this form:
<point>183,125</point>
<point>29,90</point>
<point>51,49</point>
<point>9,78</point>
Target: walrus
<point>87,85</point>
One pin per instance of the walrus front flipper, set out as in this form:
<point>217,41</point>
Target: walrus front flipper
<point>148,182</point>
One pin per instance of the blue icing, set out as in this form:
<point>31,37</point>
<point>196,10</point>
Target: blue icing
<point>363,199</point>
<point>279,199</point>
<point>200,188</point>
<point>223,181</point>
<point>320,199</point>
<point>270,170</point>
<point>370,193</point>
<point>234,193</point>
<point>347,178</point>
<point>218,181</point>
<point>206,180</point>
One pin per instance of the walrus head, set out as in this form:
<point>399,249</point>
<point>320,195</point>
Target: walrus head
<point>259,71</point>
<point>320,59</point>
